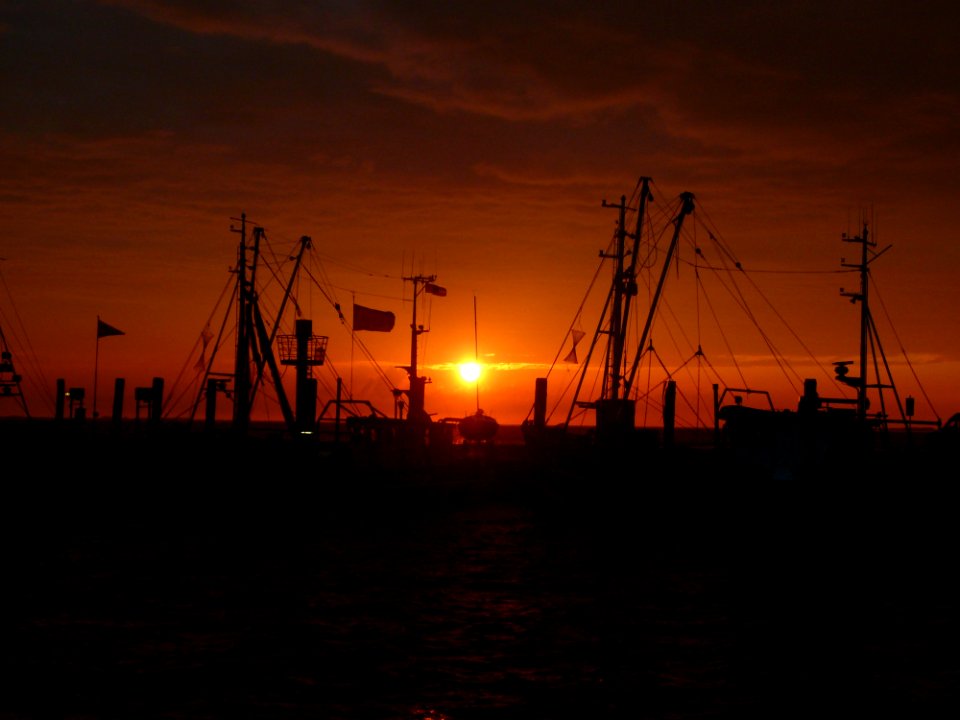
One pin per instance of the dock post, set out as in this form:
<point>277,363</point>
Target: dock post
<point>156,400</point>
<point>669,412</point>
<point>306,409</point>
<point>118,385</point>
<point>210,419</point>
<point>540,403</point>
<point>61,395</point>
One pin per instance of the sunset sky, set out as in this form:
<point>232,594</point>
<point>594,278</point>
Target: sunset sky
<point>475,142</point>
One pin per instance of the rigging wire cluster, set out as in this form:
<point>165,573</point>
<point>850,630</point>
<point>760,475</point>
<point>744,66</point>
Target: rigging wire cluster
<point>686,321</point>
<point>274,265</point>
<point>19,363</point>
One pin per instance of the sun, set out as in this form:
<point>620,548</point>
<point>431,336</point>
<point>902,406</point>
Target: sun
<point>469,371</point>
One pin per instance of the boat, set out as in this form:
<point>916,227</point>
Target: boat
<point>265,347</point>
<point>477,427</point>
<point>823,430</point>
<point>832,432</point>
<point>614,410</point>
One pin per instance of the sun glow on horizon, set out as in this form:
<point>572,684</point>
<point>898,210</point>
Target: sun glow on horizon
<point>469,371</point>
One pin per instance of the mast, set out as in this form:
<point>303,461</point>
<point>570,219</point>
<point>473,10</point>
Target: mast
<point>476,349</point>
<point>415,394</point>
<point>241,369</point>
<point>614,409</point>
<point>867,333</point>
<point>9,377</point>
<point>624,290</point>
<point>253,338</point>
<point>686,207</point>
<point>615,342</point>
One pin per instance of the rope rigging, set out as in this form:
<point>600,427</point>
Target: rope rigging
<point>273,268</point>
<point>714,267</point>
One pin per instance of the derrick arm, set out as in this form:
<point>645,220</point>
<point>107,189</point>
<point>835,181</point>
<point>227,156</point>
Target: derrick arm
<point>686,208</point>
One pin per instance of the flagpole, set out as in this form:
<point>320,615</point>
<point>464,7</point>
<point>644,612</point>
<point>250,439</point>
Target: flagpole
<point>96,368</point>
<point>353,340</point>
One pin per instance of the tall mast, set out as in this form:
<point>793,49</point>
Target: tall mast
<point>415,394</point>
<point>241,406</point>
<point>686,207</point>
<point>615,341</point>
<point>866,321</point>
<point>864,325</point>
<point>476,349</point>
<point>9,377</point>
<point>624,289</point>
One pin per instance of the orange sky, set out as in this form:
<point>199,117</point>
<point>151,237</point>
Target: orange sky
<point>475,142</point>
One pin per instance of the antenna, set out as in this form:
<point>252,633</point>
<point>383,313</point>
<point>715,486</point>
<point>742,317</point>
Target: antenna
<point>476,349</point>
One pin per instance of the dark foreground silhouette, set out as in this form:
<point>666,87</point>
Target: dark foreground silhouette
<point>148,579</point>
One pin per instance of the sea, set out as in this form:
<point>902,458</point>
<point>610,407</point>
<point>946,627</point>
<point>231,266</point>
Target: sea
<point>161,582</point>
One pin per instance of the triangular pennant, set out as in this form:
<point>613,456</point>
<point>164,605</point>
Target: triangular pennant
<point>104,330</point>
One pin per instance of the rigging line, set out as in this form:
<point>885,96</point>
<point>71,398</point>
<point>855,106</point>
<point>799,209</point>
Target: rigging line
<point>369,355</point>
<point>778,357</point>
<point>756,271</point>
<point>796,337</point>
<point>740,299</point>
<point>723,335</point>
<point>563,394</point>
<point>694,352</point>
<point>667,308</point>
<point>694,409</point>
<point>31,358</point>
<point>355,340</point>
<point>353,344</point>
<point>315,259</point>
<point>875,347</point>
<point>223,293</point>
<point>704,219</point>
<point>357,268</point>
<point>876,294</point>
<point>216,346</point>
<point>649,397</point>
<point>369,294</point>
<point>698,255</point>
<point>875,337</point>
<point>593,345</point>
<point>272,264</point>
<point>335,305</point>
<point>577,315</point>
<point>646,405</point>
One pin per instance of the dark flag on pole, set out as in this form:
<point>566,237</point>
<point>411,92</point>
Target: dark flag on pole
<point>365,318</point>
<point>432,289</point>
<point>104,330</point>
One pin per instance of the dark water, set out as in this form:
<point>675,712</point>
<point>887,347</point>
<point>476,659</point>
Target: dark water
<point>476,600</point>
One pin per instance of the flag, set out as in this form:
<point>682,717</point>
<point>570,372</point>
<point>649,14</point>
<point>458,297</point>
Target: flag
<point>577,337</point>
<point>435,290</point>
<point>104,330</point>
<point>365,318</point>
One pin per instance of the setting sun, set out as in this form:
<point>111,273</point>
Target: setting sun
<point>469,371</point>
